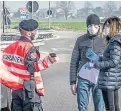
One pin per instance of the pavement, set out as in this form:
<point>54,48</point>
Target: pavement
<point>58,96</point>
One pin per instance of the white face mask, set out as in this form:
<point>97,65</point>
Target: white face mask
<point>36,36</point>
<point>106,31</point>
<point>93,30</point>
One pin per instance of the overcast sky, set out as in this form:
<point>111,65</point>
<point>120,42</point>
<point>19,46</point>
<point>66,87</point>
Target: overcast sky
<point>14,5</point>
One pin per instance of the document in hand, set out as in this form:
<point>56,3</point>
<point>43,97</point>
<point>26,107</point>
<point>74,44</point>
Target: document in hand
<point>89,74</point>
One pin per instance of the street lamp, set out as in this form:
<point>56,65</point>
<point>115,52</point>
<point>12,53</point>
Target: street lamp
<point>49,15</point>
<point>3,16</point>
<point>32,9</point>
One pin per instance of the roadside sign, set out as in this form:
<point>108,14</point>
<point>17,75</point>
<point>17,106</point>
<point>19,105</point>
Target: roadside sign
<point>23,13</point>
<point>49,12</point>
<point>35,6</point>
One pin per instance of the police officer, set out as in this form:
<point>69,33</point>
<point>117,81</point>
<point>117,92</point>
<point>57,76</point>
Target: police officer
<point>23,58</point>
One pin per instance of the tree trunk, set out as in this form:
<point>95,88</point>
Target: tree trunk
<point>66,18</point>
<point>66,15</point>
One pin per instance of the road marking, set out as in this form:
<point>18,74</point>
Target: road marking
<point>61,49</point>
<point>64,58</point>
<point>56,37</point>
<point>54,49</point>
<point>72,46</point>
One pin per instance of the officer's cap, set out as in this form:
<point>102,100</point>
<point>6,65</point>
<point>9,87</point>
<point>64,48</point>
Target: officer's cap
<point>28,25</point>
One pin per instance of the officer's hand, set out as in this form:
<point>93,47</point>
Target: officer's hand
<point>52,54</point>
<point>73,89</point>
<point>52,57</point>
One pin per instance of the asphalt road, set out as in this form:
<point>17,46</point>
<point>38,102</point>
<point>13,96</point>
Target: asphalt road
<point>58,96</point>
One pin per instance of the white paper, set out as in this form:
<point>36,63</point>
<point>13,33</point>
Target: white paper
<point>89,74</point>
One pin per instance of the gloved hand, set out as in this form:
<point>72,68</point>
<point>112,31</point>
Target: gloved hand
<point>52,54</point>
<point>91,55</point>
<point>89,65</point>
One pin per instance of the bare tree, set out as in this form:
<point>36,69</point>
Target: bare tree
<point>98,11</point>
<point>67,7</point>
<point>87,8</point>
<point>109,8</point>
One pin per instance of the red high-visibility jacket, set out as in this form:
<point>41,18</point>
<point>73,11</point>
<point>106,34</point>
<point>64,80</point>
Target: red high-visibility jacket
<point>13,69</point>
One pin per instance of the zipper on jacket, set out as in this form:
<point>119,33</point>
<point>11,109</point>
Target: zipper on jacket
<point>93,44</point>
<point>92,47</point>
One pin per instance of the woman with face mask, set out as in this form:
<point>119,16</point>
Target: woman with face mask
<point>79,85</point>
<point>110,64</point>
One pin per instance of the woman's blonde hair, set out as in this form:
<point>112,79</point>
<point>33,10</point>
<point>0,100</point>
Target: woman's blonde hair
<point>114,25</point>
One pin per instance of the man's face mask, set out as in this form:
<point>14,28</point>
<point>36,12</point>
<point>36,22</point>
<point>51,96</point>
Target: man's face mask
<point>93,29</point>
<point>34,35</point>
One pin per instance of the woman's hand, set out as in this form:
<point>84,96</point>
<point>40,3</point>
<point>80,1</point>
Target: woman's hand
<point>90,65</point>
<point>90,54</point>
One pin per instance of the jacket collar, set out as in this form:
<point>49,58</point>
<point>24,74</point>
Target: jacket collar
<point>25,39</point>
<point>91,36</point>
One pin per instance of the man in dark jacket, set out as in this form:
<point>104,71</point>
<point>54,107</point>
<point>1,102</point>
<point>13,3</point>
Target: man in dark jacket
<point>89,40</point>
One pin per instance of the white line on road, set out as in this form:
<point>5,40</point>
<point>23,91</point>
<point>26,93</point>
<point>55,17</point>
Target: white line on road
<point>64,58</point>
<point>61,49</point>
<point>72,46</point>
<point>56,37</point>
<point>54,49</point>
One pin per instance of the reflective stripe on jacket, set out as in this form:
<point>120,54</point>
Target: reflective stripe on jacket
<point>13,69</point>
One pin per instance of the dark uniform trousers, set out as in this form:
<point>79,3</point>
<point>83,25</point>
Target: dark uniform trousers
<point>5,109</point>
<point>26,99</point>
